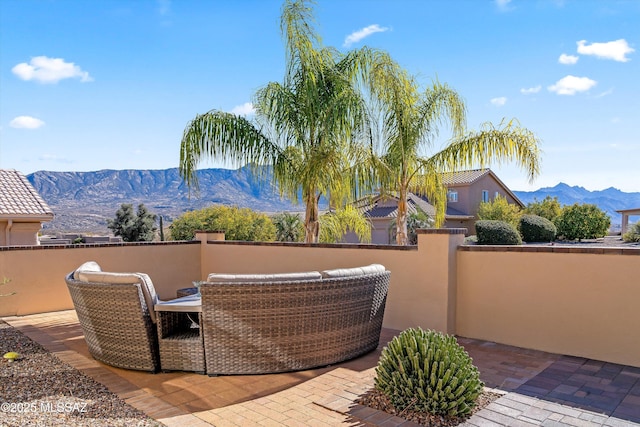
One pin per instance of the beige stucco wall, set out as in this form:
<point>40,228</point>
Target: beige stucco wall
<point>37,274</point>
<point>583,304</point>
<point>19,233</point>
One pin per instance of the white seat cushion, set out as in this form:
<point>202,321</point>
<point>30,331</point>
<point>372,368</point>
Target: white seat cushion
<point>252,278</point>
<point>356,271</point>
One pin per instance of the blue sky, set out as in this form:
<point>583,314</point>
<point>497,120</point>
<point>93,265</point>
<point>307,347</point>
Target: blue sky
<point>90,85</point>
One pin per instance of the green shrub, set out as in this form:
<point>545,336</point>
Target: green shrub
<point>499,209</point>
<point>582,221</point>
<point>534,228</point>
<point>491,232</point>
<point>548,208</point>
<point>237,224</point>
<point>428,371</point>
<point>633,235</point>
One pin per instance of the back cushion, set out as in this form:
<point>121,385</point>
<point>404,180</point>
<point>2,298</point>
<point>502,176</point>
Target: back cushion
<point>356,271</point>
<point>253,278</point>
<point>87,266</point>
<point>148,290</point>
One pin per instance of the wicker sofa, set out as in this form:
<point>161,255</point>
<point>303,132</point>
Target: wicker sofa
<point>256,324</point>
<point>248,324</point>
<point>115,311</point>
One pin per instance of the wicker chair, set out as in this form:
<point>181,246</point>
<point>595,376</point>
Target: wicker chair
<point>279,326</point>
<point>116,314</point>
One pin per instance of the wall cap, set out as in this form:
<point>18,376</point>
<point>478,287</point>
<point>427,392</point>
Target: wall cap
<point>316,245</point>
<point>598,250</point>
<point>441,231</point>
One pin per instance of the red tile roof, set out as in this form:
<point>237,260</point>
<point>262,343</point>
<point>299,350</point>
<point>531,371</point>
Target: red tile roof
<point>19,198</point>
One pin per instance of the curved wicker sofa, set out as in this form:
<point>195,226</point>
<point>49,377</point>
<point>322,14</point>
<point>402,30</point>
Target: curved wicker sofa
<point>280,324</point>
<point>115,311</point>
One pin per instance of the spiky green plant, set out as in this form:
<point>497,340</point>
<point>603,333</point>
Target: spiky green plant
<point>428,371</point>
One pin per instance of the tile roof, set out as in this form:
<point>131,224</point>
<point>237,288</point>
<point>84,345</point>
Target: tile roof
<point>19,198</point>
<point>464,177</point>
<point>369,206</point>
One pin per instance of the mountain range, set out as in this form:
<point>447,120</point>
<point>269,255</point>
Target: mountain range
<point>83,201</point>
<point>609,200</point>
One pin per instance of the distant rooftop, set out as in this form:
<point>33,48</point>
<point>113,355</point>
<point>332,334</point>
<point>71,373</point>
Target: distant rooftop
<point>464,177</point>
<point>18,198</point>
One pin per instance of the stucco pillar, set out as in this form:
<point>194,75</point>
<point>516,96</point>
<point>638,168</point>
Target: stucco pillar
<point>205,236</point>
<point>438,248</point>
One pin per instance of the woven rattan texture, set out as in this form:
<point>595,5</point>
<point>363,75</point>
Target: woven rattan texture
<point>116,324</point>
<point>256,328</point>
<point>181,346</point>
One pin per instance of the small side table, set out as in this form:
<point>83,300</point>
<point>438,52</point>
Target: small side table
<point>183,292</point>
<point>180,339</point>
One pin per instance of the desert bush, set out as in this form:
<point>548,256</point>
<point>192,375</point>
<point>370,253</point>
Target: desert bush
<point>582,221</point>
<point>237,224</point>
<point>428,371</point>
<point>133,227</point>
<point>633,235</point>
<point>534,228</point>
<point>548,208</point>
<point>499,209</point>
<point>491,232</point>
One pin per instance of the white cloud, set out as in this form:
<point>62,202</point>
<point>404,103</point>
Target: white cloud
<point>49,70</point>
<point>605,93</point>
<point>530,90</point>
<point>245,109</point>
<point>499,102</point>
<point>568,59</point>
<point>616,50</point>
<point>503,5</point>
<point>570,85</point>
<point>26,122</point>
<point>356,36</point>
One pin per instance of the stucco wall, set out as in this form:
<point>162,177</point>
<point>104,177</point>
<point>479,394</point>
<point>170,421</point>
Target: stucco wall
<point>37,273</point>
<point>575,301</point>
<point>19,233</point>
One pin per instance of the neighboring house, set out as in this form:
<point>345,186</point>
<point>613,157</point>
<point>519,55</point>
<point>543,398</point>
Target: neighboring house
<point>22,210</point>
<point>465,191</point>
<point>626,213</point>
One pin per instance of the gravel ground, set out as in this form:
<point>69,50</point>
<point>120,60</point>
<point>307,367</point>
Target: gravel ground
<point>41,390</point>
<point>377,400</point>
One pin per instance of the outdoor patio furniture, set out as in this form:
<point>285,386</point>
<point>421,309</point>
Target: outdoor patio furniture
<point>256,324</point>
<point>179,334</point>
<point>116,314</point>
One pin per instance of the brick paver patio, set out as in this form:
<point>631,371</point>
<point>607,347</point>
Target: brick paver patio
<point>540,388</point>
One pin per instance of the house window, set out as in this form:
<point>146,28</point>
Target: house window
<point>452,196</point>
<point>485,196</point>
<point>495,196</point>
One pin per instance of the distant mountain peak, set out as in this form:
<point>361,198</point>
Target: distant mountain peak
<point>609,200</point>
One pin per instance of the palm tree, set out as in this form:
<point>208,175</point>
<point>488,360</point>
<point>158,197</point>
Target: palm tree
<point>337,223</point>
<point>304,127</point>
<point>408,126</point>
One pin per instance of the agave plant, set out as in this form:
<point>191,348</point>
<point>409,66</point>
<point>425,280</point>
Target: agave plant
<point>430,372</point>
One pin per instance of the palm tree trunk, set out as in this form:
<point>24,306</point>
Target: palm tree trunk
<point>401,220</point>
<point>311,219</point>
